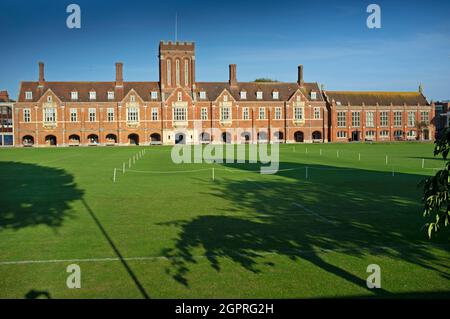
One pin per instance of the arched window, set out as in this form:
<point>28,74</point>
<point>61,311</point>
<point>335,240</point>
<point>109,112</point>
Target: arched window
<point>169,75</point>
<point>177,72</point>
<point>186,72</point>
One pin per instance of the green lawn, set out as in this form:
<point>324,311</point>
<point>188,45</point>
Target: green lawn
<point>241,235</point>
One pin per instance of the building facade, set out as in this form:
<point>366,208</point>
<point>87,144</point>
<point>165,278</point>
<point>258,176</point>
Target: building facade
<point>178,109</point>
<point>6,120</point>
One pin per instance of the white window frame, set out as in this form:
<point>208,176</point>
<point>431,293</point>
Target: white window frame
<point>425,117</point>
<point>74,95</point>
<point>155,114</point>
<point>204,113</point>
<point>154,95</point>
<point>180,113</point>
<point>411,118</point>
<point>259,95</point>
<point>245,113</point>
<point>299,113</point>
<point>243,95</point>
<point>186,72</point>
<point>27,115</point>
<point>384,118</point>
<point>225,114</point>
<point>169,74</point>
<point>132,114</point>
<point>313,95</point>
<point>384,134</point>
<point>202,95</point>
<point>110,95</point>
<point>92,114</point>
<point>370,119</point>
<point>398,118</point>
<point>275,95</point>
<point>317,113</point>
<point>341,134</point>
<point>110,114</point>
<point>341,119</point>
<point>49,115</point>
<point>92,95</point>
<point>356,118</point>
<point>28,95</point>
<point>278,113</point>
<point>261,113</point>
<point>73,115</point>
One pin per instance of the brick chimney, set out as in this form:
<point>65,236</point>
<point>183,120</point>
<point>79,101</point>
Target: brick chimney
<point>119,74</point>
<point>300,75</point>
<point>41,74</point>
<point>233,80</point>
<point>4,96</point>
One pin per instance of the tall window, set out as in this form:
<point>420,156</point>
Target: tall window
<point>27,115</point>
<point>132,114</point>
<point>154,95</point>
<point>49,115</point>
<point>28,95</point>
<point>356,119</point>
<point>275,95</point>
<point>299,113</point>
<point>342,119</point>
<point>179,114</point>
<point>262,113</point>
<point>73,115</point>
<point>259,95</point>
<point>411,119</point>
<point>186,72</point>
<point>92,95</point>
<point>92,114</point>
<point>225,113</point>
<point>177,72</point>
<point>154,113</point>
<point>110,114</point>
<point>317,113</point>
<point>74,95</point>
<point>110,95</point>
<point>245,113</point>
<point>398,118</point>
<point>204,113</point>
<point>278,113</point>
<point>370,122</point>
<point>384,118</point>
<point>169,75</point>
<point>424,117</point>
<point>180,96</point>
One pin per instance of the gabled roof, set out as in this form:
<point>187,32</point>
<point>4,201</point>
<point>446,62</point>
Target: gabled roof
<point>372,98</point>
<point>285,90</point>
<point>4,97</point>
<point>63,90</point>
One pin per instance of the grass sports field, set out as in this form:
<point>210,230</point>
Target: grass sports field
<point>170,231</point>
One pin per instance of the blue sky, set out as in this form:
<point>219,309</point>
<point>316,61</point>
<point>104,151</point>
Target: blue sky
<point>264,39</point>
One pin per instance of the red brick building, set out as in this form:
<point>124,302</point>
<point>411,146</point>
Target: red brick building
<point>6,120</point>
<point>178,109</point>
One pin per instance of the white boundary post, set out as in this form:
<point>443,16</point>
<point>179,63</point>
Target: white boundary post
<point>359,156</point>
<point>123,168</point>
<point>213,173</point>
<point>129,162</point>
<point>386,159</point>
<point>114,175</point>
<point>423,163</point>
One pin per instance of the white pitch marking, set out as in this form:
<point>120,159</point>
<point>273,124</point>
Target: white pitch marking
<point>320,217</point>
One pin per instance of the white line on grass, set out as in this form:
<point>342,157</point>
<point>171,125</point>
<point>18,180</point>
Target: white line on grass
<point>153,258</point>
<point>318,216</point>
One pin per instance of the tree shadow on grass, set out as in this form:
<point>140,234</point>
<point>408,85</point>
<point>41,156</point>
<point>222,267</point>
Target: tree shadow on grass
<point>356,212</point>
<point>33,195</point>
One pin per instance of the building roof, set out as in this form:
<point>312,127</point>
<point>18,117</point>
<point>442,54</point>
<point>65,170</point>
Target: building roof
<point>285,90</point>
<point>63,90</point>
<point>4,97</point>
<point>372,98</point>
<point>213,89</point>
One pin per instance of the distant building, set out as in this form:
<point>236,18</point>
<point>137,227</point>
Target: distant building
<point>442,117</point>
<point>178,109</point>
<point>6,120</point>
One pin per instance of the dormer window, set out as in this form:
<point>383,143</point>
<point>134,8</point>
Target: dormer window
<point>154,95</point>
<point>28,95</point>
<point>202,95</point>
<point>338,103</point>
<point>132,98</point>
<point>313,95</point>
<point>259,95</point>
<point>92,95</point>
<point>74,95</point>
<point>110,95</point>
<point>243,95</point>
<point>275,95</point>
